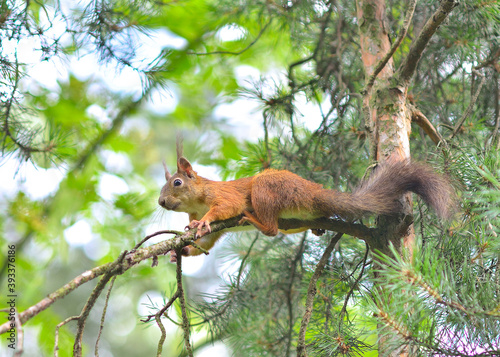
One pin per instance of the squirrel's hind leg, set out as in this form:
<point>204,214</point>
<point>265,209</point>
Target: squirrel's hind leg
<point>269,228</point>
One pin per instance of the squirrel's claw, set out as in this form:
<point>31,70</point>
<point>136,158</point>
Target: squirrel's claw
<point>193,224</point>
<point>206,224</point>
<point>243,220</point>
<point>200,224</point>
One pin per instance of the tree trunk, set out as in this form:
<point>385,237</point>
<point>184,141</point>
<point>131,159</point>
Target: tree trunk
<point>387,122</point>
<point>387,115</point>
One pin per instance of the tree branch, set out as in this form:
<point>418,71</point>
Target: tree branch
<point>336,225</point>
<point>289,290</point>
<point>157,317</point>
<point>103,316</point>
<point>128,259</point>
<point>409,64</point>
<point>185,320</point>
<point>114,268</point>
<point>421,120</point>
<point>56,338</point>
<point>494,138</point>
<point>77,347</point>
<point>402,34</point>
<point>354,286</point>
<point>471,104</point>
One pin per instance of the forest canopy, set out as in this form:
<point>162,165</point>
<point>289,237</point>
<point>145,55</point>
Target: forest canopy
<point>93,96</point>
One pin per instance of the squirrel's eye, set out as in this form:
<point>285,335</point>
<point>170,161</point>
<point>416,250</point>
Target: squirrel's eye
<point>177,182</point>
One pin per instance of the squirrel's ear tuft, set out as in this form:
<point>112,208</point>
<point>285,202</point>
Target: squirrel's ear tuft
<point>167,173</point>
<point>178,145</point>
<point>184,167</point>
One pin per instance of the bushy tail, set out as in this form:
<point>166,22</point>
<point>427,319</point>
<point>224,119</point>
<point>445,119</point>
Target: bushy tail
<point>381,192</point>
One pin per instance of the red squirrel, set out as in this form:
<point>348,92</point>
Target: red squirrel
<point>272,194</point>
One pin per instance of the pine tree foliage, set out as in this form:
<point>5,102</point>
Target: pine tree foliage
<point>441,299</point>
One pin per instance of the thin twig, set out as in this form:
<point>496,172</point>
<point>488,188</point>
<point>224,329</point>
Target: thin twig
<point>20,336</point>
<point>265,124</point>
<point>145,239</point>
<point>158,317</point>
<point>185,320</point>
<point>242,264</point>
<point>59,325</point>
<point>471,104</point>
<point>354,285</point>
<point>324,27</point>
<point>103,316</point>
<point>163,336</point>
<point>77,346</point>
<point>231,52</point>
<point>494,136</point>
<point>293,269</point>
<point>163,309</point>
<point>491,61</point>
<point>311,293</point>
<point>292,66</point>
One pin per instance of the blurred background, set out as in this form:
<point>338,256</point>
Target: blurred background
<point>94,93</point>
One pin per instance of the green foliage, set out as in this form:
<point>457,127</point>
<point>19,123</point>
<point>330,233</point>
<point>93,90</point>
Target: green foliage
<point>437,300</point>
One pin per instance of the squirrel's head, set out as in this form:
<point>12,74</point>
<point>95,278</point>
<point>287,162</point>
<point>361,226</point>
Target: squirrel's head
<point>179,191</point>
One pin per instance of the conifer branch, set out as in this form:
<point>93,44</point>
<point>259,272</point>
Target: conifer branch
<point>80,162</point>
<point>354,285</point>
<point>311,293</point>
<point>242,264</point>
<point>402,34</point>
<point>128,259</point>
<point>289,302</point>
<point>13,129</point>
<point>471,104</point>
<point>409,64</point>
<point>237,53</point>
<point>421,120</point>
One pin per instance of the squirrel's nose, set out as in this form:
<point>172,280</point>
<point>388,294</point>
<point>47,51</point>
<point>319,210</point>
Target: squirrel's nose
<point>161,201</point>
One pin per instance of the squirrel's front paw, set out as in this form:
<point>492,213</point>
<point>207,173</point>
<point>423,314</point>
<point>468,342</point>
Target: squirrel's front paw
<point>193,224</point>
<point>200,224</point>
